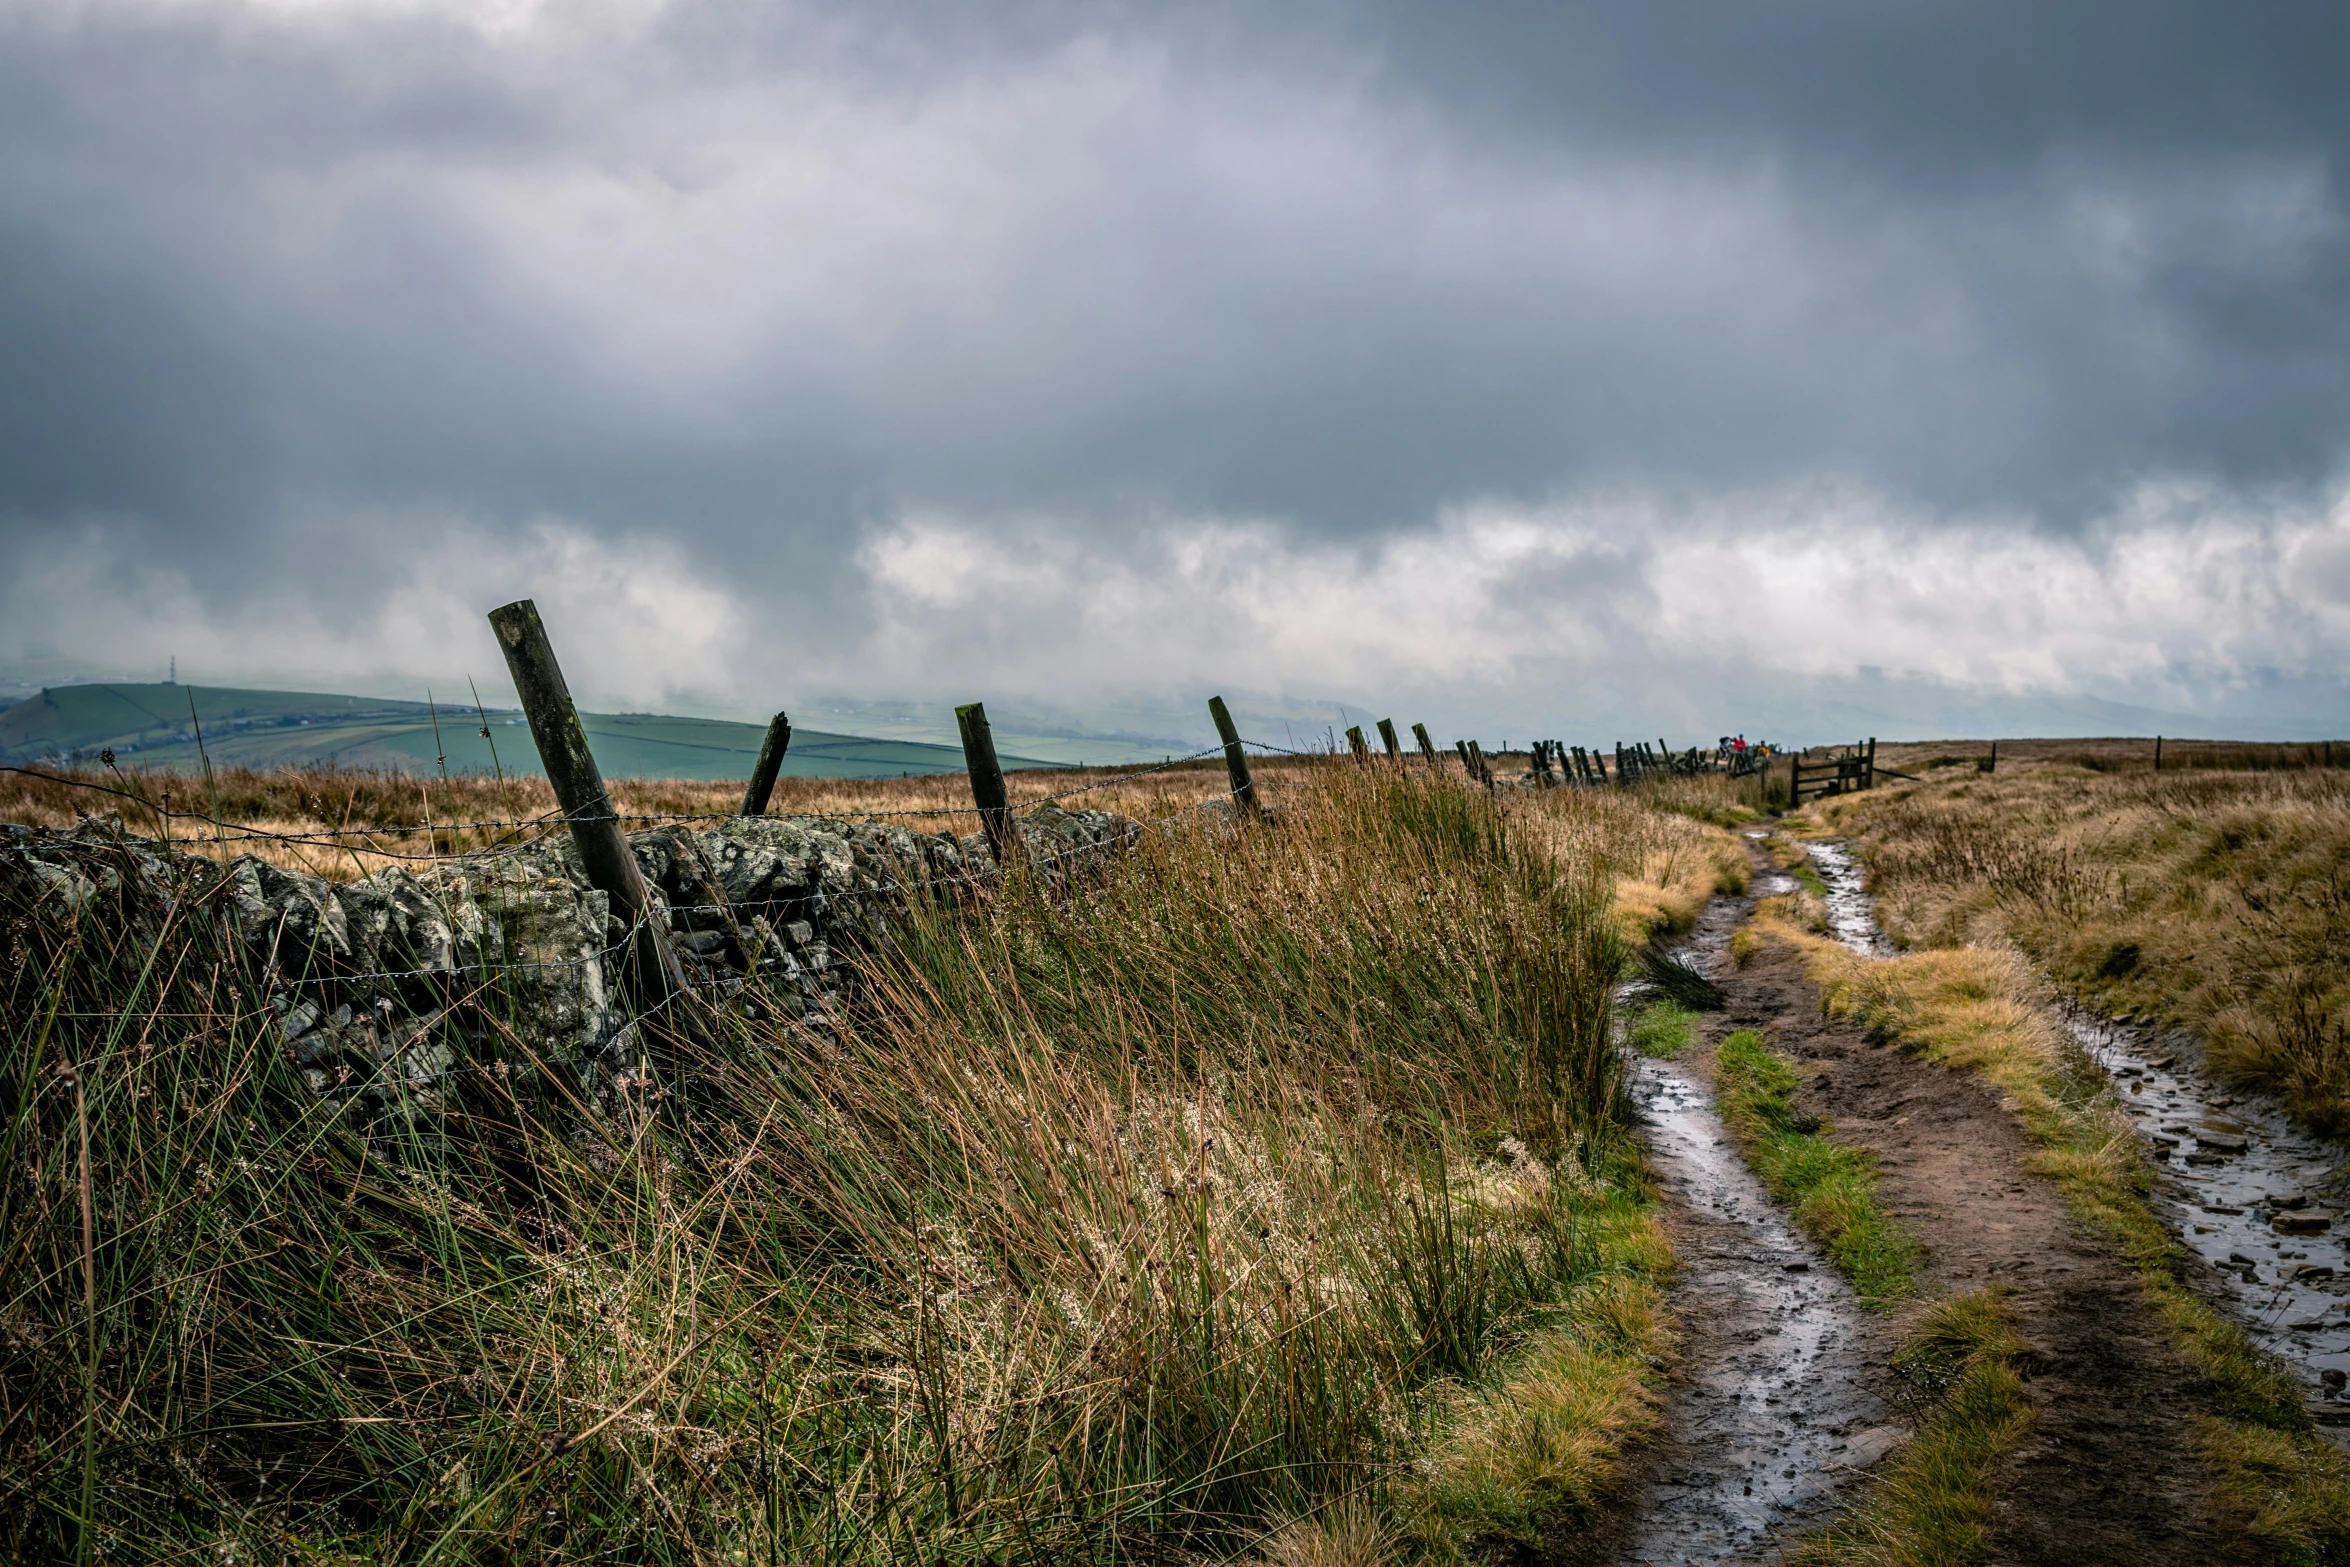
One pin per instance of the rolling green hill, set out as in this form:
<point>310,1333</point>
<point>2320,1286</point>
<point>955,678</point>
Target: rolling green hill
<point>149,726</point>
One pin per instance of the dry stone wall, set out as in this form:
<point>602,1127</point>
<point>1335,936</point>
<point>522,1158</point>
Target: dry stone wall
<point>380,985</point>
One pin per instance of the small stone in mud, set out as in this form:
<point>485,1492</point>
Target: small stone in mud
<point>2205,1158</point>
<point>2307,1324</point>
<point>2288,1200</point>
<point>2334,1379</point>
<point>2312,1272</point>
<point>2239,1259</point>
<point>1795,1267</point>
<point>2223,1142</point>
<point>2308,1222</point>
<point>2213,1207</point>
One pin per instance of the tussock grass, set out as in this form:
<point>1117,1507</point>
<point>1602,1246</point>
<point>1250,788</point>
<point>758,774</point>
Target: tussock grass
<point>1931,1506</point>
<point>1831,1188</point>
<point>1264,1194</point>
<point>2218,900</point>
<point>1984,1010</point>
<point>1667,863</point>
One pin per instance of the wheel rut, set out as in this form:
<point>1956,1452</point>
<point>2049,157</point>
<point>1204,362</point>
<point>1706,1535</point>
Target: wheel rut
<point>2109,1475</point>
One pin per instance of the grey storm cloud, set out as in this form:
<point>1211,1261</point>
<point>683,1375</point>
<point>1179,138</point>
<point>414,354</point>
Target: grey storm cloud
<point>301,292</point>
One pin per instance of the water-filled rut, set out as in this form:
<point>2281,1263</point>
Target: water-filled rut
<point>1774,1412</point>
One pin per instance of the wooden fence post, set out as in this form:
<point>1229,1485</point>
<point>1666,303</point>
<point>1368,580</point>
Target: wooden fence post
<point>1478,769</point>
<point>2158,753</point>
<point>1427,746</point>
<point>1869,778</point>
<point>1467,766</point>
<point>1387,737</point>
<point>1244,787</point>
<point>604,853</point>
<point>987,783</point>
<point>762,785</point>
<point>1355,743</point>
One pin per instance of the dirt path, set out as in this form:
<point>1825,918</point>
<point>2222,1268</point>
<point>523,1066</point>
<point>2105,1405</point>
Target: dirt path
<point>1778,1406</point>
<point>2109,1475</point>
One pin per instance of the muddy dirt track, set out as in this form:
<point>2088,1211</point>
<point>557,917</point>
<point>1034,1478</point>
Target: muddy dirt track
<point>2108,1475</point>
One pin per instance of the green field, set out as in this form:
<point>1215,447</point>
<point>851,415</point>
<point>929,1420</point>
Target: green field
<point>149,726</point>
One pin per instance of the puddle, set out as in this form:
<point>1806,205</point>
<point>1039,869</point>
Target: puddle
<point>1852,913</point>
<point>2237,1178</point>
<point>1771,1419</point>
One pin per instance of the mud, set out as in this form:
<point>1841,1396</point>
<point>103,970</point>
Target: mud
<point>1774,1412</point>
<point>2110,1474</point>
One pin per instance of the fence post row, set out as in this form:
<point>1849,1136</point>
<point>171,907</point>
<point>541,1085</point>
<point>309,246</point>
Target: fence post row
<point>1387,738</point>
<point>987,783</point>
<point>1427,746</point>
<point>604,854</point>
<point>762,786</point>
<point>1244,787</point>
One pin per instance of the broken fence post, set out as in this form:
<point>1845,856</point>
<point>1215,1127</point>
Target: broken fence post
<point>762,785</point>
<point>1355,742</point>
<point>1428,746</point>
<point>1244,787</point>
<point>604,853</point>
<point>1477,768</point>
<point>1387,738</point>
<point>987,783</point>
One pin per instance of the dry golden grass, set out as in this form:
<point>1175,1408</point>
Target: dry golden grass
<point>2216,900</point>
<point>412,816</point>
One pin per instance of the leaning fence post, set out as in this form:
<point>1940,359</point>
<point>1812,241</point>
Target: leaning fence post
<point>1244,788</point>
<point>1427,746</point>
<point>762,785</point>
<point>1477,767</point>
<point>987,783</point>
<point>1355,742</point>
<point>604,853</point>
<point>1387,738</point>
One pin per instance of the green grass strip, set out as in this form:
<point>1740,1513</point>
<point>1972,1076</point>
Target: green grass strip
<point>1661,1029</point>
<point>1832,1189</point>
<point>1931,1506</point>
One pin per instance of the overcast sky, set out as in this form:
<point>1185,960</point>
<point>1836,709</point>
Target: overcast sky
<point>1544,363</point>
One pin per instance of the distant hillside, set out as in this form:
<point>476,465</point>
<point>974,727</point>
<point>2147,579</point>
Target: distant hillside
<point>148,725</point>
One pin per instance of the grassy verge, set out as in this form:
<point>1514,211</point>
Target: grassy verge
<point>2212,899</point>
<point>1981,1010</point>
<point>1271,1177</point>
<point>1931,1506</point>
<point>1831,1189</point>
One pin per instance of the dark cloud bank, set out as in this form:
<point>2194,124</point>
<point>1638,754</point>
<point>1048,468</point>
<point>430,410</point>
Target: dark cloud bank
<point>1544,364</point>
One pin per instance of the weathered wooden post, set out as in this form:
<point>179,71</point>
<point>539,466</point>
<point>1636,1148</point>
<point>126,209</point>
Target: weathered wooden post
<point>987,783</point>
<point>1427,746</point>
<point>1467,766</point>
<point>762,785</point>
<point>2158,753</point>
<point>1244,787</point>
<point>1869,774</point>
<point>1477,767</point>
<point>604,854</point>
<point>1388,739</point>
<point>1356,744</point>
